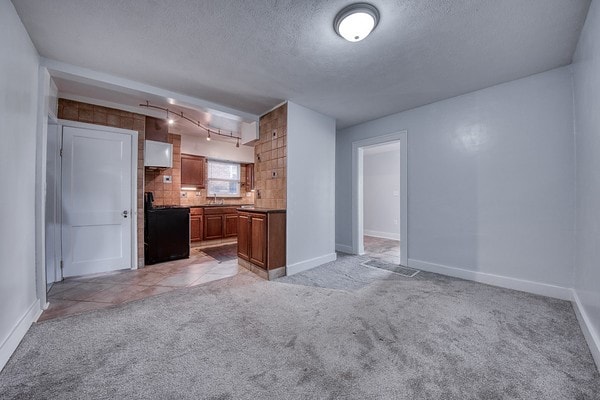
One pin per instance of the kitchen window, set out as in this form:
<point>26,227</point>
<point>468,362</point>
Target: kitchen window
<point>223,179</point>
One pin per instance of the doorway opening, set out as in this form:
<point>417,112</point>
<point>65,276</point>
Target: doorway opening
<point>381,201</point>
<point>380,225</point>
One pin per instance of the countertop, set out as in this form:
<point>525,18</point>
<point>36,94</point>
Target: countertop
<point>220,205</point>
<point>263,210</point>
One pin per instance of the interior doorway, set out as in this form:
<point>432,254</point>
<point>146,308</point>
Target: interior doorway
<point>98,192</point>
<point>380,197</point>
<point>381,201</point>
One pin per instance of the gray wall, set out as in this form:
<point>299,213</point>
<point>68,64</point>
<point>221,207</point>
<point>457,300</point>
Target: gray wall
<point>381,207</point>
<point>18,119</point>
<point>490,180</point>
<point>310,188</point>
<point>586,68</point>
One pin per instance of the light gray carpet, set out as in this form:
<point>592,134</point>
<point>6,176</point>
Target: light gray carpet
<point>382,336</point>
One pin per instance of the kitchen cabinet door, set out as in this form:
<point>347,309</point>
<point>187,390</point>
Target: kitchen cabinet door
<point>244,236</point>
<point>193,171</point>
<point>249,177</point>
<point>258,240</point>
<point>213,227</point>
<point>230,222</point>
<point>196,228</point>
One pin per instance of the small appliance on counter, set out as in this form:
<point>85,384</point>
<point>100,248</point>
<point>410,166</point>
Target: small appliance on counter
<point>166,232</point>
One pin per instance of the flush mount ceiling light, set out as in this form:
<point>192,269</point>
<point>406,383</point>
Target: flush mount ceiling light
<point>356,21</point>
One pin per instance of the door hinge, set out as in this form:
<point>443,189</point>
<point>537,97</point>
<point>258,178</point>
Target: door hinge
<point>61,264</point>
<point>61,152</point>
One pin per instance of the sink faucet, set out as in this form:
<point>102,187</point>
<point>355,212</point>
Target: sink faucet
<point>215,199</point>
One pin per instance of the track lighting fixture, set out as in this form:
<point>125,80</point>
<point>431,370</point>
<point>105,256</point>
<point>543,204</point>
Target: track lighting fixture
<point>171,121</point>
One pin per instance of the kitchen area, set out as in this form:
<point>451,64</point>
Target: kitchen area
<point>207,209</point>
<point>235,201</point>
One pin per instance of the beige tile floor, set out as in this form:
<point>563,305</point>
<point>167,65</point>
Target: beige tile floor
<point>81,294</point>
<point>383,249</point>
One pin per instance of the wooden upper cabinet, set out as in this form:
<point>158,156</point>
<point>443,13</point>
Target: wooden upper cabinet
<point>193,171</point>
<point>249,177</point>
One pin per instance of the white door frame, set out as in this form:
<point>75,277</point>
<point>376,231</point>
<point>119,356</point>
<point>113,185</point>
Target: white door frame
<point>357,191</point>
<point>47,97</point>
<point>53,121</point>
<point>134,161</point>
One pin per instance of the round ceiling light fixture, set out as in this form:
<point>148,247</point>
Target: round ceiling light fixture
<point>356,21</point>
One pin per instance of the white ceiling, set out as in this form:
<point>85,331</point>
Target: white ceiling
<point>251,55</point>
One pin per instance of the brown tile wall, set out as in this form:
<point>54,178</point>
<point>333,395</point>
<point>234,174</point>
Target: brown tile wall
<point>270,158</point>
<point>82,112</point>
<point>166,194</point>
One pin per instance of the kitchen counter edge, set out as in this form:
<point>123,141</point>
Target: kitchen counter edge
<point>263,210</point>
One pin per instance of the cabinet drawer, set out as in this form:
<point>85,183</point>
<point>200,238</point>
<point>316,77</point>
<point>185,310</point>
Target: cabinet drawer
<point>196,211</point>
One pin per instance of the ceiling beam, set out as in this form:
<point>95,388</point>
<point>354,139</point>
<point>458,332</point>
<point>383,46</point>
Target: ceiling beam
<point>90,77</point>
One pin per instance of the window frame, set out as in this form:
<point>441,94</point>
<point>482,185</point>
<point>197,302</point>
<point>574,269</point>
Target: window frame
<point>209,179</point>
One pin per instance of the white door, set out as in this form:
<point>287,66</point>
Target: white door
<point>96,201</point>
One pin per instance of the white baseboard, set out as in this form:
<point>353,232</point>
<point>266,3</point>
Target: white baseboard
<point>592,337</point>
<point>16,335</point>
<point>343,248</point>
<point>309,264</point>
<point>383,235</point>
<point>543,289</point>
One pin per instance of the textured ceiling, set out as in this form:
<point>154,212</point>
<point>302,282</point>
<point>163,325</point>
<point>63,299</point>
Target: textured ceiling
<point>251,55</point>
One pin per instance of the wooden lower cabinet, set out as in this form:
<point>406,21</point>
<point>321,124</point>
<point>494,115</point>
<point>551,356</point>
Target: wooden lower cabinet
<point>230,225</point>
<point>258,240</point>
<point>243,237</point>
<point>196,228</point>
<point>261,238</point>
<point>213,227</point>
<point>196,224</point>
<point>220,222</point>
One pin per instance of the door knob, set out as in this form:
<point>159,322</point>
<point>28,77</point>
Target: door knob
<point>125,213</point>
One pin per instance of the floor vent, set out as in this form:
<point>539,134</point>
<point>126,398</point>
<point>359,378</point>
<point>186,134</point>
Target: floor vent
<point>398,269</point>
